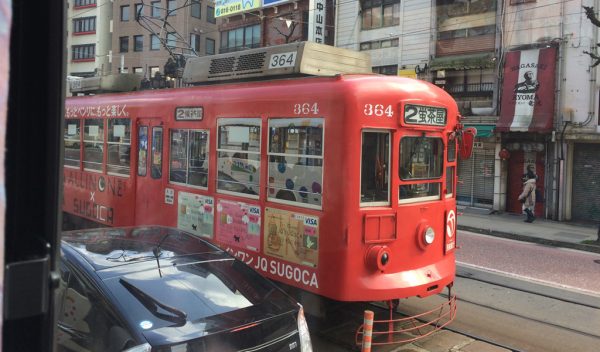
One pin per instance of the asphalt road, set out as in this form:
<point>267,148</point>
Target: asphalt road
<point>523,296</point>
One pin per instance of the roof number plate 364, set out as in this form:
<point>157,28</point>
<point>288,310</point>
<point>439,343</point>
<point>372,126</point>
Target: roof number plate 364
<point>283,60</point>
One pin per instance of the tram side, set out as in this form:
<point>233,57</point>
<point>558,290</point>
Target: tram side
<point>329,184</point>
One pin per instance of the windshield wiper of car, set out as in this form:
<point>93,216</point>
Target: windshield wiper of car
<point>152,304</point>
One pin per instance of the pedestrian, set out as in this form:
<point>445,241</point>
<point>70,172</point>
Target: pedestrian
<point>527,197</point>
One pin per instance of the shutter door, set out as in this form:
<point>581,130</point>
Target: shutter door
<point>586,183</point>
<point>477,177</point>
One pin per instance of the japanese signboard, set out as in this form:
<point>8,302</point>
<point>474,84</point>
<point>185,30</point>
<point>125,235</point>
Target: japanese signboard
<point>424,115</point>
<point>316,21</point>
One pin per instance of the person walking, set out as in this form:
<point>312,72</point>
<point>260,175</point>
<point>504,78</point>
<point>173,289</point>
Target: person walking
<point>527,197</point>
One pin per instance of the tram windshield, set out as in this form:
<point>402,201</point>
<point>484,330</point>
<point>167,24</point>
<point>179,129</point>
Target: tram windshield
<point>421,159</point>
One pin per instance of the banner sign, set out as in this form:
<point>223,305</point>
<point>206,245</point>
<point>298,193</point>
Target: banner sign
<point>316,21</point>
<point>528,91</point>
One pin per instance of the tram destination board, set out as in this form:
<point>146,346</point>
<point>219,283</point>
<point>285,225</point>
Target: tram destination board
<point>424,115</point>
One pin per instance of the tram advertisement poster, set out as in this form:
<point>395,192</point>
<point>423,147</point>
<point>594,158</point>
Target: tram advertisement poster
<point>195,214</point>
<point>238,224</point>
<point>292,236</point>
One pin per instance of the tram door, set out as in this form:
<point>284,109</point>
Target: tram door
<point>150,133</point>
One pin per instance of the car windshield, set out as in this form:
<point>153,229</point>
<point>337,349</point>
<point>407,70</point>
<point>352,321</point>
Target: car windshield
<point>194,292</point>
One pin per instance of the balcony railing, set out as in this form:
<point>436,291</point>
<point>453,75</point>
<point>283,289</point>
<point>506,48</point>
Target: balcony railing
<point>470,89</point>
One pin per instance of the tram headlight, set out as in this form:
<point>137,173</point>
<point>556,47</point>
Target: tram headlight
<point>429,235</point>
<point>378,257</point>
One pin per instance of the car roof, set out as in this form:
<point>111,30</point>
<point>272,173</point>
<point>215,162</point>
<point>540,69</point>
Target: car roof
<point>107,248</point>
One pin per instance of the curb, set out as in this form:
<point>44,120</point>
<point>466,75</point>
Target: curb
<point>518,237</point>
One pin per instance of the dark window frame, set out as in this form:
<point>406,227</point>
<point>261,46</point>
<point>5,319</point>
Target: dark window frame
<point>124,44</point>
<point>139,47</point>
<point>84,25</point>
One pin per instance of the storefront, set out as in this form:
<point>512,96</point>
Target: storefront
<point>526,120</point>
<point>476,175</point>
<point>585,206</point>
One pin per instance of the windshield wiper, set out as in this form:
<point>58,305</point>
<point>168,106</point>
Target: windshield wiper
<point>152,304</point>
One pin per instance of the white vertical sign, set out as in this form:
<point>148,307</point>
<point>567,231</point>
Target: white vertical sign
<point>316,21</point>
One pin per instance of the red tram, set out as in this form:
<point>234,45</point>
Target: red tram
<point>344,186</point>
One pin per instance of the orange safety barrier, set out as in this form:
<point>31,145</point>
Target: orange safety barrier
<point>368,330</point>
<point>407,329</point>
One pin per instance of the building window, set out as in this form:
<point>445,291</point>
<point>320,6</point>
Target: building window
<point>171,7</point>
<point>154,42</point>
<point>83,52</point>
<point>389,70</point>
<point>171,40</point>
<point>139,10</point>
<point>240,39</point>
<point>125,13</point>
<point>379,44</point>
<point>210,14</point>
<point>156,9</point>
<point>517,2</point>
<point>238,156</point>
<point>138,70</point>
<point>380,13</point>
<point>84,3</point>
<point>196,9</point>
<point>296,161</point>
<point>210,46</point>
<point>195,42</point>
<point>123,70</point>
<point>189,157</point>
<point>123,44</point>
<point>467,32</point>
<point>154,70</point>
<point>138,43</point>
<point>84,25</point>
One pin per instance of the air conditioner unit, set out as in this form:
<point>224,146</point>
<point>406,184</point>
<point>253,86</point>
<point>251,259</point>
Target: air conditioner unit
<point>302,58</point>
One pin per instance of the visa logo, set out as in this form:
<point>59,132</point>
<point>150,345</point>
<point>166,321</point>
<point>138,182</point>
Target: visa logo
<point>255,211</point>
<point>310,221</point>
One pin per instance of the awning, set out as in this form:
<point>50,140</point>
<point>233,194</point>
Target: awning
<point>483,131</point>
<point>463,62</point>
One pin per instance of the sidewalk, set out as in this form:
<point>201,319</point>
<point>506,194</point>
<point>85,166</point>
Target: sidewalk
<point>508,225</point>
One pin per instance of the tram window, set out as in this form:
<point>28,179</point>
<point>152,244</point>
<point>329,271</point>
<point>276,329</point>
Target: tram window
<point>188,161</point>
<point>157,146</point>
<point>238,156</point>
<point>119,146</point>
<point>449,181</point>
<point>375,173</point>
<point>296,160</point>
<point>142,150</point>
<point>452,150</point>
<point>72,135</point>
<point>93,144</point>
<point>421,158</point>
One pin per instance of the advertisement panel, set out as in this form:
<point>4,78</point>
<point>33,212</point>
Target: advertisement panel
<point>195,214</point>
<point>291,236</point>
<point>230,7</point>
<point>528,91</point>
<point>238,224</point>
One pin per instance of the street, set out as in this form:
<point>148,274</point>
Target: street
<point>518,296</point>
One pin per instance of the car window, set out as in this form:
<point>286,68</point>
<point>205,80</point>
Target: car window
<point>84,321</point>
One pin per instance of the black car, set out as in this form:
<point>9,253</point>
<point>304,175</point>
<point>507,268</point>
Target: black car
<point>162,289</point>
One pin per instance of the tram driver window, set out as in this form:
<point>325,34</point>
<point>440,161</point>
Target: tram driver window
<point>238,156</point>
<point>375,174</point>
<point>188,161</point>
<point>296,161</point>
<point>119,147</point>
<point>421,163</point>
<point>72,135</point>
<point>93,144</point>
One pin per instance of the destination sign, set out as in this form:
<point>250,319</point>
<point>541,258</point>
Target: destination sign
<point>424,115</point>
<point>189,113</point>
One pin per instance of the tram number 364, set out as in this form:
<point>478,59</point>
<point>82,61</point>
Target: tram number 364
<point>378,110</point>
<point>306,108</point>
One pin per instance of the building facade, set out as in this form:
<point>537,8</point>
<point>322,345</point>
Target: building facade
<point>88,37</point>
<point>147,33</point>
